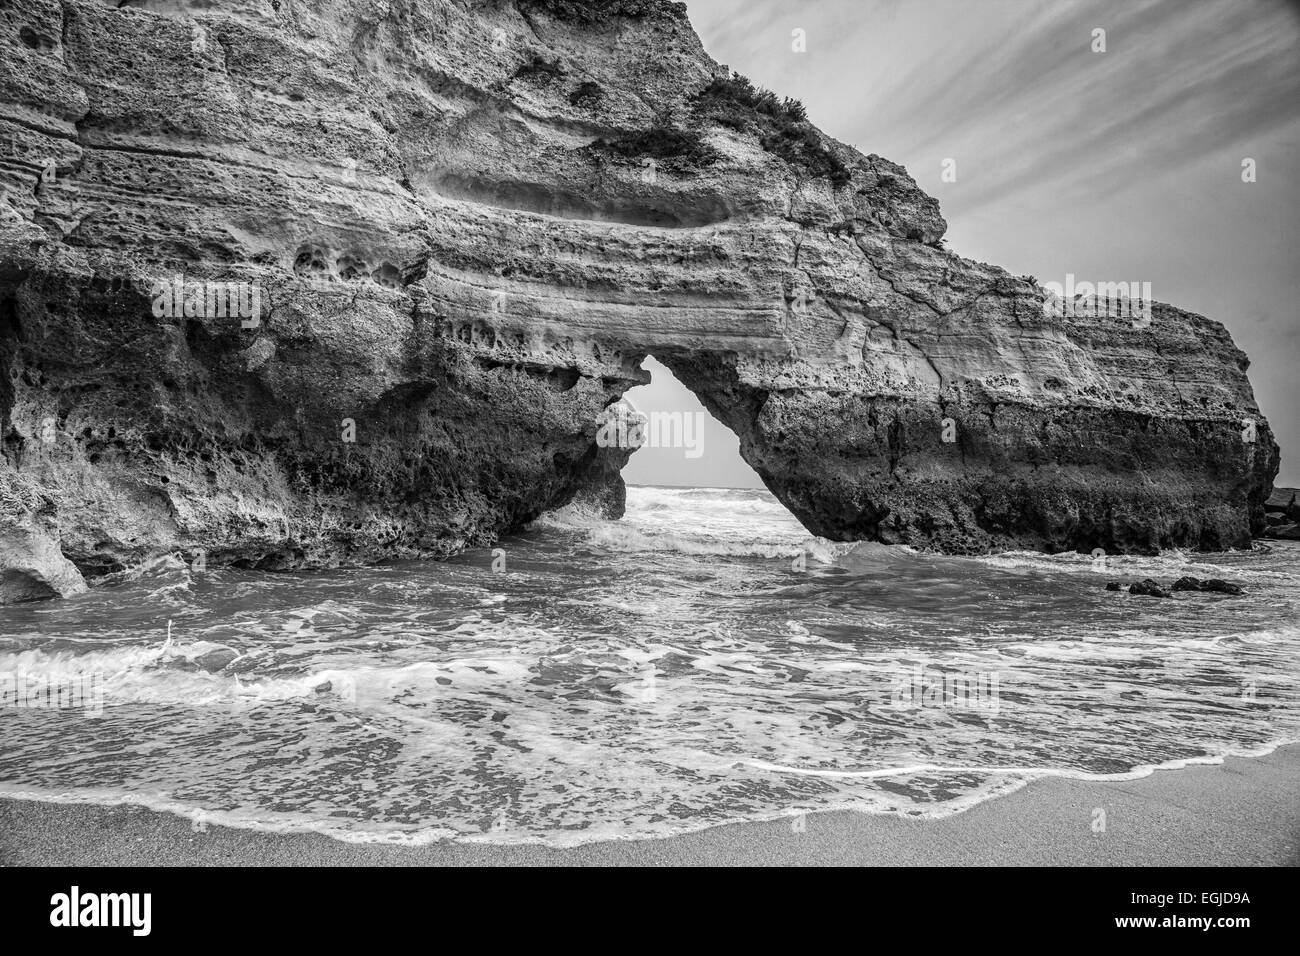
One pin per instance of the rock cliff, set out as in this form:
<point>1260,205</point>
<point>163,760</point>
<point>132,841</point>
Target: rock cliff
<point>294,284</point>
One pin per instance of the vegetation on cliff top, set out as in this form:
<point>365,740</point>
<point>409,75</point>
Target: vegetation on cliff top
<point>730,100</point>
<point>603,11</point>
<point>781,125</point>
<point>683,150</point>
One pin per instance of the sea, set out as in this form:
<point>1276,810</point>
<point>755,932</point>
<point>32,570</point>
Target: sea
<point>701,661</point>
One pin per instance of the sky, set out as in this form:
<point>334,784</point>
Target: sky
<point>1122,165</point>
<point>712,459</point>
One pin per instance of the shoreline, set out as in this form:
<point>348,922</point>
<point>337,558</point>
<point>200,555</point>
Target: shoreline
<point>1242,812</point>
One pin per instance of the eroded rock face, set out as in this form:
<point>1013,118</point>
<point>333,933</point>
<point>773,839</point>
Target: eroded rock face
<point>32,568</point>
<point>458,228</point>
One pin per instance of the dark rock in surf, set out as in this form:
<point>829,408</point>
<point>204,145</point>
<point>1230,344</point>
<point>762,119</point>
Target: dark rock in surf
<point>215,660</point>
<point>1148,588</point>
<point>1219,586</point>
<point>1212,585</point>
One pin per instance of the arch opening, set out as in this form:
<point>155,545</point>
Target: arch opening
<point>684,446</point>
<point>687,488</point>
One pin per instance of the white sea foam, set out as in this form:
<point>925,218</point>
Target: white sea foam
<point>641,678</point>
<point>685,522</point>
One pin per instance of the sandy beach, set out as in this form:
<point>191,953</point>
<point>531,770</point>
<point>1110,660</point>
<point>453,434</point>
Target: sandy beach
<point>1243,812</point>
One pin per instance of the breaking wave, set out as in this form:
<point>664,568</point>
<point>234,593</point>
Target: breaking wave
<point>678,669</point>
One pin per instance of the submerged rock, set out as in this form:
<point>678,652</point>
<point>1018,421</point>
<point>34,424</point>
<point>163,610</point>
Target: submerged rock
<point>1213,585</point>
<point>1148,588</point>
<point>1219,586</point>
<point>374,309</point>
<point>1152,588</point>
<point>216,660</point>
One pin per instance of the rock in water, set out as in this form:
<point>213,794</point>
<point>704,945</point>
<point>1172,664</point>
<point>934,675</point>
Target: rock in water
<point>1219,586</point>
<point>216,660</point>
<point>1282,515</point>
<point>339,286</point>
<point>1284,501</point>
<point>1113,586</point>
<point>1148,588</point>
<point>1213,585</point>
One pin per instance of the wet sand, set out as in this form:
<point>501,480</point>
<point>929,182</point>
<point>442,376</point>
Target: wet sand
<point>1244,812</point>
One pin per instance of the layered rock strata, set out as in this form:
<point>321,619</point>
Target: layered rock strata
<point>294,284</point>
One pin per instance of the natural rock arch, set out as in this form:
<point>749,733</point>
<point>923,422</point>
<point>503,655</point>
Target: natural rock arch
<point>471,337</point>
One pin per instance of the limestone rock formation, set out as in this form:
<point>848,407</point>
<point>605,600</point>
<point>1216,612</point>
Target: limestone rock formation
<point>1282,515</point>
<point>31,565</point>
<point>299,283</point>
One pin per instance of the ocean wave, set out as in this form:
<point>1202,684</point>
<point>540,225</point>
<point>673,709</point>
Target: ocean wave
<point>990,783</point>
<point>657,522</point>
<point>623,538</point>
<point>641,678</point>
<point>161,575</point>
<point>203,673</point>
<point>1168,564</point>
<point>1029,772</point>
